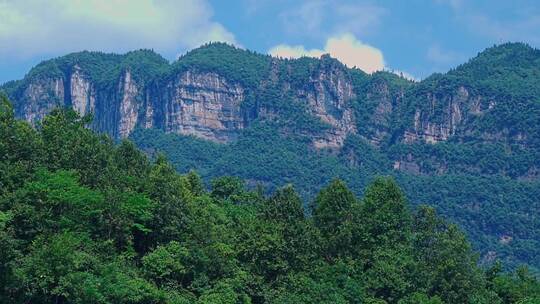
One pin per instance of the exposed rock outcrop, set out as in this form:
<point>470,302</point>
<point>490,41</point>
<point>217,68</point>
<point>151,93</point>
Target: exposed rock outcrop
<point>380,103</point>
<point>329,95</point>
<point>436,130</point>
<point>82,92</point>
<point>39,98</point>
<point>203,104</point>
<point>448,115</point>
<point>195,103</point>
<point>129,105</point>
<point>191,101</point>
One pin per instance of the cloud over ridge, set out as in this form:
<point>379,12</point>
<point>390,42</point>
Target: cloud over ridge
<point>344,47</point>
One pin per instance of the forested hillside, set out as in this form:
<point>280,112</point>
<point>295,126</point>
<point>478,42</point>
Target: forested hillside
<point>466,142</point>
<point>499,214</point>
<point>85,220</point>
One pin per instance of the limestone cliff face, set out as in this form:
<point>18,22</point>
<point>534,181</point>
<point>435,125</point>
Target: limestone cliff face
<point>382,104</point>
<point>216,91</point>
<point>39,98</point>
<point>41,95</point>
<point>431,130</point>
<point>82,93</point>
<point>446,116</point>
<point>203,104</point>
<point>191,101</point>
<point>209,105</point>
<point>114,112</point>
<point>129,108</point>
<point>217,106</point>
<point>381,116</point>
<point>329,96</point>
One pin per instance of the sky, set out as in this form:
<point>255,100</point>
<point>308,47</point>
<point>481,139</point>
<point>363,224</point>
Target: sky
<point>413,37</point>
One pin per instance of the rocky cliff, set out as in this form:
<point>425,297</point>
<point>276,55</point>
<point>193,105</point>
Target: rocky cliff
<point>203,104</point>
<point>216,91</point>
<point>188,100</point>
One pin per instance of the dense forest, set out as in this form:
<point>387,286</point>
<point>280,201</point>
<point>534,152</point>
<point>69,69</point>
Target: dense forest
<point>86,220</point>
<point>489,207</point>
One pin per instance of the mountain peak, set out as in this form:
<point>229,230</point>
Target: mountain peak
<point>510,54</point>
<point>509,48</point>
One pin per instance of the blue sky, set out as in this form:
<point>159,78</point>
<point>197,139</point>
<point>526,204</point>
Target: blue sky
<point>417,37</point>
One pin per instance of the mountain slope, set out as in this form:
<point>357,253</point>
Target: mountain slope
<point>467,141</point>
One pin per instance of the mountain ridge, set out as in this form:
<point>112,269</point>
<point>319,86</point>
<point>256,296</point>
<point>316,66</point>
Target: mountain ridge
<point>247,72</point>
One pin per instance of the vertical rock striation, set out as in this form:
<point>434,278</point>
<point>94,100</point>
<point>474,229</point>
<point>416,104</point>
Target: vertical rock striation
<point>204,104</point>
<point>129,105</point>
<point>82,92</point>
<point>39,98</point>
<point>329,96</point>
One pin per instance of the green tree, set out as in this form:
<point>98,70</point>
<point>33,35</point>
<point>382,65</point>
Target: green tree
<point>228,187</point>
<point>41,273</point>
<point>168,265</point>
<point>446,263</point>
<point>196,183</point>
<point>324,283</point>
<point>517,287</point>
<point>132,164</point>
<point>8,247</point>
<point>290,238</point>
<point>284,206</point>
<point>420,298</point>
<point>115,228</point>
<point>334,211</point>
<point>54,202</point>
<point>170,192</point>
<point>386,220</point>
<point>21,150</point>
<point>384,241</point>
<point>69,145</point>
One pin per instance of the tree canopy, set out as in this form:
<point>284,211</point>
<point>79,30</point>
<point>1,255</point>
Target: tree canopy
<point>85,220</point>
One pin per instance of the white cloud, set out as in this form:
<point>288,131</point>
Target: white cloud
<point>346,48</point>
<point>35,27</point>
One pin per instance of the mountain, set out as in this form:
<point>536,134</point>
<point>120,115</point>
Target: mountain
<point>466,142</point>
<point>217,91</point>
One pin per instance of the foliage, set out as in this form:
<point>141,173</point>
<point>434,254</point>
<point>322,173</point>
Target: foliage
<point>241,66</point>
<point>115,227</point>
<point>486,206</point>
